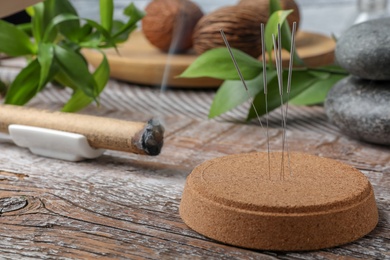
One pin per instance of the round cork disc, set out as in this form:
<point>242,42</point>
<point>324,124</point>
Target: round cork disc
<point>311,203</point>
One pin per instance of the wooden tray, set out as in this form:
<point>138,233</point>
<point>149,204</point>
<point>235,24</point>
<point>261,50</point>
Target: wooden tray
<point>140,62</point>
<point>11,7</point>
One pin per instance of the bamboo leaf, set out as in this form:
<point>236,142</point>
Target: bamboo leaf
<point>79,100</point>
<point>45,59</point>
<point>30,10</point>
<point>317,92</point>
<point>76,69</point>
<point>70,27</point>
<point>20,45</point>
<point>135,15</point>
<point>116,27</point>
<point>333,69</point>
<point>271,28</point>
<point>106,35</point>
<point>62,79</point>
<point>26,28</point>
<point>3,88</point>
<point>41,16</point>
<point>84,32</point>
<point>274,5</point>
<point>58,38</point>
<point>106,13</point>
<point>305,80</point>
<point>49,34</point>
<point>49,11</point>
<point>133,12</point>
<point>25,85</point>
<point>279,16</point>
<point>37,21</point>
<point>216,63</point>
<point>232,93</point>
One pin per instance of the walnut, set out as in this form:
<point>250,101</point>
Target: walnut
<point>170,24</point>
<point>240,24</point>
<point>262,7</point>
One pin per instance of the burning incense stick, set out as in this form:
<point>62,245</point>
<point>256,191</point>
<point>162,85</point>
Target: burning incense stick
<point>107,133</point>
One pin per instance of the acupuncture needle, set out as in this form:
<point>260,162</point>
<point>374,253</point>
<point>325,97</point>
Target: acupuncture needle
<point>279,76</point>
<point>292,50</point>
<point>281,95</point>
<point>240,74</point>
<point>265,93</point>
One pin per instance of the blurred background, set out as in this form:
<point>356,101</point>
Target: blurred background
<point>329,17</point>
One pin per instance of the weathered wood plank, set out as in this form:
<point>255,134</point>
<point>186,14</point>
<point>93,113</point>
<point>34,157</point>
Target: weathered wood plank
<point>126,206</point>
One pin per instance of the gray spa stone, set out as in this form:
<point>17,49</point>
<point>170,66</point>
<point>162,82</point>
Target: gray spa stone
<point>361,109</point>
<point>364,50</point>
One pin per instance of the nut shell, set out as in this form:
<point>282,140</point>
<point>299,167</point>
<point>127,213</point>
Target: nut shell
<point>171,22</point>
<point>240,24</point>
<point>262,7</point>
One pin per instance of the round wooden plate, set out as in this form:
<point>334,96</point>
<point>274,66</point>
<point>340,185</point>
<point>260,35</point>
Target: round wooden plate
<point>139,62</point>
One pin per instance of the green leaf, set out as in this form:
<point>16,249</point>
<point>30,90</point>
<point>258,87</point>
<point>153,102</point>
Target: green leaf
<point>300,81</point>
<point>274,5</point>
<point>25,85</point>
<point>116,27</point>
<point>232,93</point>
<point>133,12</point>
<point>106,13</point>
<point>106,35</point>
<point>279,17</point>
<point>62,79</point>
<point>135,15</point>
<point>75,68</point>
<point>45,59</point>
<point>317,92</point>
<point>26,28</point>
<point>79,100</point>
<point>271,28</point>
<point>30,11</point>
<point>334,69</point>
<point>93,35</point>
<point>68,28</point>
<point>37,21</point>
<point>49,11</point>
<point>216,63</point>
<point>13,41</point>
<point>49,34</point>
<point>84,32</point>
<point>3,88</point>
<point>41,17</point>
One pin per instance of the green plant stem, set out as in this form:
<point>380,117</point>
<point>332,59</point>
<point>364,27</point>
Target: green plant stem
<point>328,71</point>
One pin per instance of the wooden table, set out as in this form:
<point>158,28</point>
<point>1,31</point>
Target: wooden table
<point>126,206</point>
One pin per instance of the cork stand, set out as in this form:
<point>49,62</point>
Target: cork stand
<point>323,204</point>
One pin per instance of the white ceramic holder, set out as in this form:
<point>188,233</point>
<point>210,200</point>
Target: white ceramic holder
<point>53,143</point>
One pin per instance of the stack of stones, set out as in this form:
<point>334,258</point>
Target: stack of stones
<point>360,104</point>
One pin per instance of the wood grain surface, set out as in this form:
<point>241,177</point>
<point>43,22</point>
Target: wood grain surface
<point>126,206</point>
